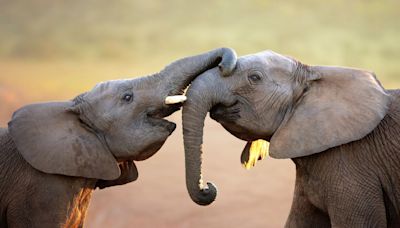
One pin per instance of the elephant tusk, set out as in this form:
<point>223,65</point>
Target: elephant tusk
<point>175,99</point>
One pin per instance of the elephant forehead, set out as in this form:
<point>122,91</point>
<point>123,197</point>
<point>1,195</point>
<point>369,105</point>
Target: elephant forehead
<point>269,58</point>
<point>110,87</point>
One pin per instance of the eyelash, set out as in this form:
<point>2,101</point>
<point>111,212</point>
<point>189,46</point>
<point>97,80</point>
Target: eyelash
<point>254,78</point>
<point>128,97</point>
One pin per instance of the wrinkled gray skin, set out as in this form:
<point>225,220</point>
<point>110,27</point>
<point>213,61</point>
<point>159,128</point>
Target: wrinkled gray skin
<point>338,125</point>
<point>54,154</point>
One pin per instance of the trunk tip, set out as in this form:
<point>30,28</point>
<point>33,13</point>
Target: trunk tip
<point>228,63</point>
<point>206,195</point>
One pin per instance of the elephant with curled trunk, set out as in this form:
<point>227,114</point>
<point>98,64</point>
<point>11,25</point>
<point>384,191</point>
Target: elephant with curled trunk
<point>52,155</point>
<point>340,127</point>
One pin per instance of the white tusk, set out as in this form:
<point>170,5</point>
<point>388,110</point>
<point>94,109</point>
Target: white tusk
<point>175,99</point>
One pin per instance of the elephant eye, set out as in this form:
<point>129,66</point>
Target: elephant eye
<point>254,78</point>
<point>127,97</point>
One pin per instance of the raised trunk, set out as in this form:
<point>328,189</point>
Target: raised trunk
<point>205,92</point>
<point>177,76</point>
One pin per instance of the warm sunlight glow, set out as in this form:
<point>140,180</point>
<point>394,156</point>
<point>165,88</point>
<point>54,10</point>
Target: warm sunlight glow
<point>258,151</point>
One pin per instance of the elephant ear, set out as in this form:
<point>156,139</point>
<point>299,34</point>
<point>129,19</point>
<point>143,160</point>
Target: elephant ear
<point>53,140</point>
<point>129,174</point>
<point>342,105</point>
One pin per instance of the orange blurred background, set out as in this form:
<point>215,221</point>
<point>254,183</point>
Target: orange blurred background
<point>55,50</point>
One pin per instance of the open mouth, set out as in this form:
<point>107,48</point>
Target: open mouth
<point>171,105</point>
<point>164,111</point>
<point>157,116</point>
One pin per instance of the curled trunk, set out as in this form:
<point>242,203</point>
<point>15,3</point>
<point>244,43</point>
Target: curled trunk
<point>175,77</point>
<point>205,92</point>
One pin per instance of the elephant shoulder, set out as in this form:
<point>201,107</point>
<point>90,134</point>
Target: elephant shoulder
<point>6,143</point>
<point>12,164</point>
<point>3,134</point>
<point>395,101</point>
<point>394,108</point>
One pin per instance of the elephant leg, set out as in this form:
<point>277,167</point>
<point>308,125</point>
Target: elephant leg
<point>50,201</point>
<point>362,208</point>
<point>51,213</point>
<point>304,214</point>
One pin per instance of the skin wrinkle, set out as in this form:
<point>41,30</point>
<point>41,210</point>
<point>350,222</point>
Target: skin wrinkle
<point>249,105</point>
<point>191,132</point>
<point>5,171</point>
<point>273,99</point>
<point>282,101</point>
<point>391,159</point>
<point>270,101</point>
<point>85,107</point>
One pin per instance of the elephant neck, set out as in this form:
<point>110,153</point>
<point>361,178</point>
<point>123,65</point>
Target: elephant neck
<point>12,164</point>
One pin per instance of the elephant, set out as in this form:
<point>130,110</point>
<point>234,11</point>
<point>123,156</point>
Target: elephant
<point>53,155</point>
<point>338,125</point>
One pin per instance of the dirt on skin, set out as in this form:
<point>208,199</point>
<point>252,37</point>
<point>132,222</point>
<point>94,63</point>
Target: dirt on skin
<point>259,197</point>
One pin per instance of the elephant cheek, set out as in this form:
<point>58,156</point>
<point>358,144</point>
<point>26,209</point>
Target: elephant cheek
<point>149,151</point>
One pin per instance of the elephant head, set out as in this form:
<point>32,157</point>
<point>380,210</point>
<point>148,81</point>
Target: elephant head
<point>116,121</point>
<point>301,110</point>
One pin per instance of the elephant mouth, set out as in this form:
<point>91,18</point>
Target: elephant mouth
<point>228,117</point>
<point>225,114</point>
<point>164,111</point>
<point>156,117</point>
<point>149,151</point>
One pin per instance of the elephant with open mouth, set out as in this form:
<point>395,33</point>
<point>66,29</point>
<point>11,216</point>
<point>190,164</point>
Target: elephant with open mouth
<point>52,155</point>
<point>339,125</point>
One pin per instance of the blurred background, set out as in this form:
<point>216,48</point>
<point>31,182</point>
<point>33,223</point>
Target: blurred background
<point>57,49</point>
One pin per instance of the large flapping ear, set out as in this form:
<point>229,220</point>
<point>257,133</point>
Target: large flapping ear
<point>53,140</point>
<point>341,105</point>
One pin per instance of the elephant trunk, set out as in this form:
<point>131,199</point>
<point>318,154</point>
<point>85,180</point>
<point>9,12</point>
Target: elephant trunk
<point>177,76</point>
<point>206,91</point>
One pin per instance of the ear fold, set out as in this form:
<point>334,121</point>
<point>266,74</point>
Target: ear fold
<point>129,173</point>
<point>52,140</point>
<point>341,106</point>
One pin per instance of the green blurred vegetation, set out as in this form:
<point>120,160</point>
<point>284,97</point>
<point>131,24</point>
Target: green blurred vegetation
<point>63,47</point>
<point>356,32</point>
